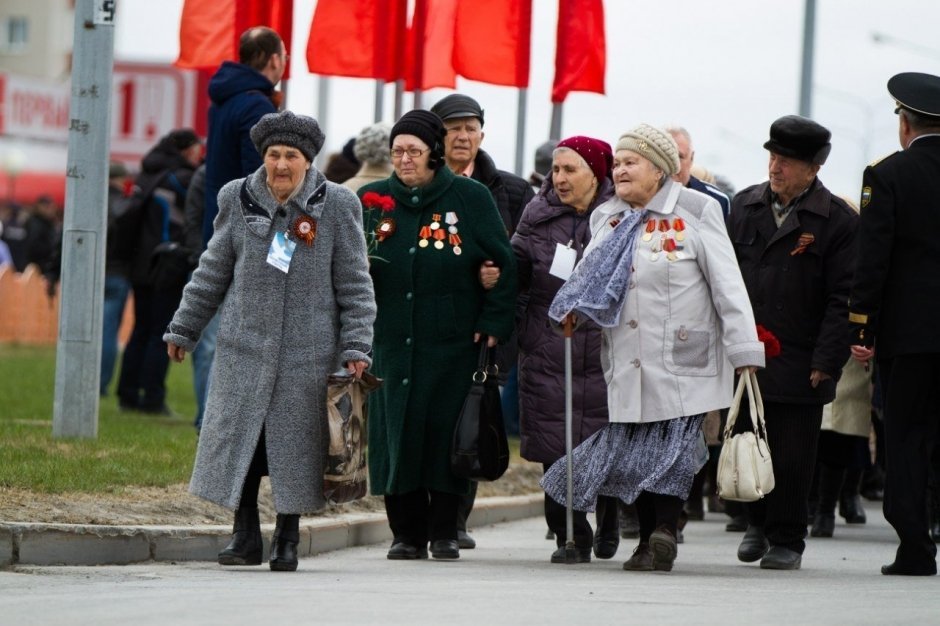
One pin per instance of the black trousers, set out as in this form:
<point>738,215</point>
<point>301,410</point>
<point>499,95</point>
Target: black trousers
<point>910,386</point>
<point>793,434</point>
<point>142,383</point>
<point>465,506</point>
<point>421,516</point>
<point>257,470</point>
<point>657,509</point>
<point>555,517</point>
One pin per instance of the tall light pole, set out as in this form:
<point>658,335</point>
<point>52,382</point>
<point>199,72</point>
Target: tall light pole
<point>78,352</point>
<point>806,76</point>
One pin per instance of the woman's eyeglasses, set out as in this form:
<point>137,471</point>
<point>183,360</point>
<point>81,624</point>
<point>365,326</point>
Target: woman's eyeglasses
<point>414,153</point>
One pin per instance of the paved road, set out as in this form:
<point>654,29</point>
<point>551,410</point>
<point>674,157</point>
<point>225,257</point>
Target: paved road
<point>507,580</point>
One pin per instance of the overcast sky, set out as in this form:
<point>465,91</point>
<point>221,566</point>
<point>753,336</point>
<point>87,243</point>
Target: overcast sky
<point>724,69</point>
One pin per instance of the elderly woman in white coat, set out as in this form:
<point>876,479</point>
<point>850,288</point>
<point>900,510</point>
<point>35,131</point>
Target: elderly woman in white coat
<point>661,279</point>
<point>286,269</point>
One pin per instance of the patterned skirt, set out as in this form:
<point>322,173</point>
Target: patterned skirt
<point>623,460</point>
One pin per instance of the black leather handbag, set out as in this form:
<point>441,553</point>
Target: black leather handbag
<point>480,449</point>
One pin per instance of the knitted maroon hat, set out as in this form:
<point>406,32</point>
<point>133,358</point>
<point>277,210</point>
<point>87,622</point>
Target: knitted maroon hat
<point>597,153</point>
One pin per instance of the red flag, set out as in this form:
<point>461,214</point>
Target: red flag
<point>430,45</point>
<point>359,39</point>
<point>581,52</point>
<point>492,41</point>
<point>210,29</point>
<point>206,33</point>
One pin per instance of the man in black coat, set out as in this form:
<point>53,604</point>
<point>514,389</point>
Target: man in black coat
<point>895,306</point>
<point>794,242</point>
<point>463,119</point>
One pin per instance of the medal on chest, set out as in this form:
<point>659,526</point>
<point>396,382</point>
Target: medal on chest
<point>663,236</point>
<point>436,231</point>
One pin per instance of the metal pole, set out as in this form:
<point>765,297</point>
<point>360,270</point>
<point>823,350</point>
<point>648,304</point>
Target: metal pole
<point>554,132</point>
<point>399,98</point>
<point>379,101</point>
<point>520,129</point>
<point>806,79</point>
<point>78,351</point>
<point>570,548</point>
<point>323,110</point>
<point>418,98</point>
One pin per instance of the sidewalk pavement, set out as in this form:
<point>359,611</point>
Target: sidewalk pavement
<point>507,579</point>
<point>85,544</point>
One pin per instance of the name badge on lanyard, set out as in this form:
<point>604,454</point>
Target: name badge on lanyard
<point>564,261</point>
<point>281,251</point>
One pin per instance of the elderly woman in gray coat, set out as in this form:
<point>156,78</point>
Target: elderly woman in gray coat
<point>287,270</point>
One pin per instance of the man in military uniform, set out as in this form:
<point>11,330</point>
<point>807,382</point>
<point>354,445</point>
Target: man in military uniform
<point>794,241</point>
<point>895,305</point>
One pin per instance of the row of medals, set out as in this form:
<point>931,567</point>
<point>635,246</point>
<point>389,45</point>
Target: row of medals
<point>663,242</point>
<point>436,231</point>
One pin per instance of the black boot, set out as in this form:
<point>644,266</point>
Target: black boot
<point>284,543</point>
<point>245,547</point>
<point>830,482</point>
<point>850,502</point>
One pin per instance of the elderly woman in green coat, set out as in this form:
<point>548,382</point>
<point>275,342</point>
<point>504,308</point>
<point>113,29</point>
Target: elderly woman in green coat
<point>429,231</point>
<point>286,269</point>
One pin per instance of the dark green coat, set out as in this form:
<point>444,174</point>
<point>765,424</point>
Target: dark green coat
<point>430,303</point>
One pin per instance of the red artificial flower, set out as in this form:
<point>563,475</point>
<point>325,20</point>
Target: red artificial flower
<point>373,200</point>
<point>771,343</point>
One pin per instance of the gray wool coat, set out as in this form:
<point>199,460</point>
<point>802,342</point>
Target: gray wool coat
<point>280,335</point>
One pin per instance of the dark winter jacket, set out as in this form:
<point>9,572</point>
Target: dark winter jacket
<point>240,96</point>
<point>163,180</point>
<point>798,292</point>
<point>545,223</point>
<point>510,192</point>
<point>115,260</point>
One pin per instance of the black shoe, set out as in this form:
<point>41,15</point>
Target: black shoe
<point>445,549</point>
<point>897,569</point>
<point>823,525</point>
<point>851,510</point>
<point>284,543</point>
<point>401,551</point>
<point>642,559</point>
<point>161,410</point>
<point>605,546</point>
<point>246,547</point>
<point>465,541</point>
<point>737,524</point>
<point>581,555</point>
<point>779,557</point>
<point>754,545</point>
<point>663,546</point>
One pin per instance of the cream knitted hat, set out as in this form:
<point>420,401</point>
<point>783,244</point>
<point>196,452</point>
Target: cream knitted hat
<point>656,145</point>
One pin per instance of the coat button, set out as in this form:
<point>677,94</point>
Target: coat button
<point>636,362</point>
<point>409,296</point>
<point>632,284</point>
<point>632,323</point>
<point>683,334</point>
<point>415,199</point>
<point>412,250</point>
<point>408,341</point>
<point>404,382</point>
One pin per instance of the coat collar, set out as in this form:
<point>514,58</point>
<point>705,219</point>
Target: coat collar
<point>664,201</point>
<point>309,199</point>
<point>758,201</point>
<point>419,197</point>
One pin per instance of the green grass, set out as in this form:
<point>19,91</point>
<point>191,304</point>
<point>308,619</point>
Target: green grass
<point>131,448</point>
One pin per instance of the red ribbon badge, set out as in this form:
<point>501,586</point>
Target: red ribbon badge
<point>305,229</point>
<point>803,243</point>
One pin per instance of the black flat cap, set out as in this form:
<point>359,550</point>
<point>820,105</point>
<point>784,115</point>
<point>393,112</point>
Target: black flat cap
<point>799,138</point>
<point>916,92</point>
<point>457,105</point>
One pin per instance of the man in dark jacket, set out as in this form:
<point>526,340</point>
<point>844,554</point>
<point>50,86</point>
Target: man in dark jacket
<point>894,306</point>
<point>463,119</point>
<point>117,284</point>
<point>154,215</point>
<point>794,242</point>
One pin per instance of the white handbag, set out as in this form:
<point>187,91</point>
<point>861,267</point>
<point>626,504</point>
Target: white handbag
<point>745,472</point>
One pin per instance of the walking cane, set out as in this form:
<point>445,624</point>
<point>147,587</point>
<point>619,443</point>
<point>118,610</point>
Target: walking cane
<point>571,555</point>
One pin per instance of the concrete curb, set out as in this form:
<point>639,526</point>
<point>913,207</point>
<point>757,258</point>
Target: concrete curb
<point>80,544</point>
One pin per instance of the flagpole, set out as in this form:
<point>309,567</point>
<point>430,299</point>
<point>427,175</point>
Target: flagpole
<point>520,128</point>
<point>399,98</point>
<point>379,100</point>
<point>323,109</point>
<point>554,131</point>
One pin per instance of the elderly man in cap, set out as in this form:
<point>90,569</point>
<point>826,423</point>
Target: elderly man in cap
<point>685,176</point>
<point>795,246</point>
<point>894,307</point>
<point>463,119</point>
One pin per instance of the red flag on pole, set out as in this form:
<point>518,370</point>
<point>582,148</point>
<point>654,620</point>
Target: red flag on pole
<point>581,52</point>
<point>358,39</point>
<point>492,41</point>
<point>210,29</point>
<point>430,45</point>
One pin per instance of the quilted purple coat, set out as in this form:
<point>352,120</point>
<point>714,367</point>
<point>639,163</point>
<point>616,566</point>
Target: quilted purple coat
<point>545,223</point>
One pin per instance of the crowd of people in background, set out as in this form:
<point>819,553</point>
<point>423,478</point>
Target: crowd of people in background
<point>662,270</point>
